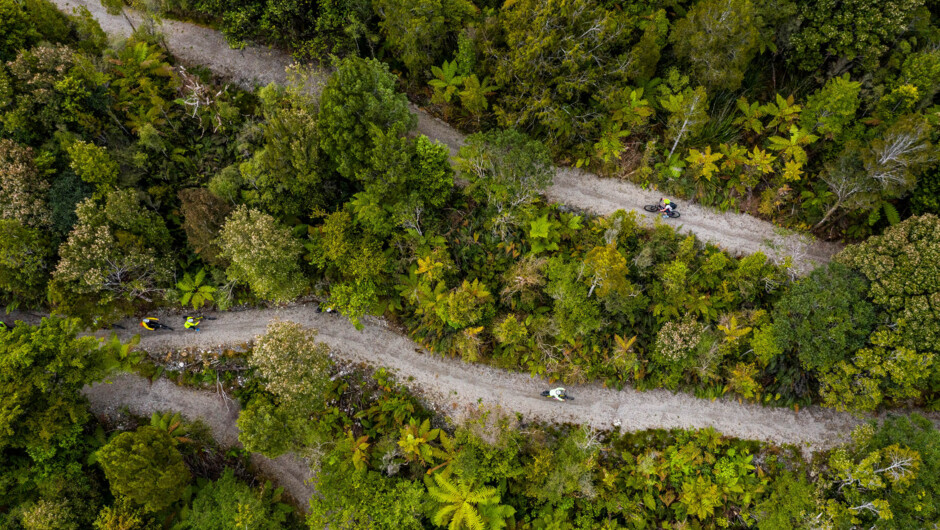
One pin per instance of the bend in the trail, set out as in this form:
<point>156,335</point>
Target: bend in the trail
<point>454,385</point>
<point>253,65</point>
<point>142,398</point>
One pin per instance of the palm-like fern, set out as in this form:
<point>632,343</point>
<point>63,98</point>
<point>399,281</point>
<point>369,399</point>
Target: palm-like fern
<point>466,506</point>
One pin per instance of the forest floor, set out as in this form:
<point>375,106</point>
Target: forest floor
<point>737,233</point>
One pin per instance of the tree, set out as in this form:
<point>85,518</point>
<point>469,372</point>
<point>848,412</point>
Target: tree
<point>203,217</point>
<point>286,174</point>
<point>465,505</point>
<point>228,503</point>
<point>885,169</point>
<point>23,24</point>
<point>294,366</point>
<point>94,165</point>
<point>575,313</point>
<point>25,260</point>
<point>466,305</point>
<point>123,515</point>
<point>23,192</point>
<point>262,254</point>
<point>506,170</point>
<point>824,317</point>
<point>117,256</point>
<point>878,477</point>
<point>359,96</point>
<point>719,38</point>
<point>902,268</point>
<point>849,30</point>
<point>407,179</point>
<point>419,31</point>
<point>551,59</point>
<point>146,467</point>
<point>42,371</point>
<point>832,108</point>
<point>688,113</point>
<point>607,269</point>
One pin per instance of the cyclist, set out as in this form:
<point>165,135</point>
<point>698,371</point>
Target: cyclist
<point>150,323</point>
<point>192,323</point>
<point>557,393</point>
<point>665,206</point>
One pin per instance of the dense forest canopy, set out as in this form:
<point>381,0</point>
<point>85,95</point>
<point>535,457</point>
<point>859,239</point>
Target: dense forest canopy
<point>130,183</point>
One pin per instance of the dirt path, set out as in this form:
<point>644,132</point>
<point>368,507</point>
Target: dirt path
<point>135,393</point>
<point>460,387</point>
<point>737,233</point>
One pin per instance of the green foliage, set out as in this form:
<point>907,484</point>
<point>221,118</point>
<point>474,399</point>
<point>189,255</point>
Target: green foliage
<point>285,175</point>
<point>464,505</point>
<point>117,255</point>
<point>262,254</point>
<point>832,108</point>
<point>359,98</point>
<point>719,38</point>
<point>267,429</point>
<point>42,372</point>
<point>203,218</point>
<point>552,58</point>
<point>228,503</point>
<point>22,190</point>
<point>193,291</point>
<point>25,260</point>
<point>825,317</point>
<point>902,269</point>
<point>849,30</point>
<point>93,165</point>
<point>419,31</point>
<point>506,170</point>
<point>145,466</point>
<point>293,366</point>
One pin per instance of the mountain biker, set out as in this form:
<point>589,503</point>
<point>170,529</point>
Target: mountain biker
<point>150,323</point>
<point>665,206</point>
<point>557,393</point>
<point>192,323</point>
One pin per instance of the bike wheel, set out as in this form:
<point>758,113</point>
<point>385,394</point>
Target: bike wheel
<point>569,398</point>
<point>651,208</point>
<point>674,214</point>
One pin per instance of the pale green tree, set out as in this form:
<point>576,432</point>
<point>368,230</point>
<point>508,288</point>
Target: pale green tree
<point>262,254</point>
<point>465,505</point>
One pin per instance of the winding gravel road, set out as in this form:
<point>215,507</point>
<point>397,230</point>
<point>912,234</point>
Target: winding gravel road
<point>460,387</point>
<point>253,65</point>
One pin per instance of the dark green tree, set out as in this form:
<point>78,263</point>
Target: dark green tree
<point>228,503</point>
<point>849,30</point>
<point>824,317</point>
<point>25,262</point>
<point>42,371</point>
<point>359,96</point>
<point>145,466</point>
<point>419,31</point>
<point>718,38</point>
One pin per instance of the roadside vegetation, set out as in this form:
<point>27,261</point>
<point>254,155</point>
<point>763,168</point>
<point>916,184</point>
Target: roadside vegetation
<point>817,115</point>
<point>139,184</point>
<point>129,182</point>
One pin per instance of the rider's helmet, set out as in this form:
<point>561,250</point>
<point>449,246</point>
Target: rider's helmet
<point>665,201</point>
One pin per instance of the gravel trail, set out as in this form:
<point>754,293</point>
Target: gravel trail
<point>460,387</point>
<point>139,396</point>
<point>254,65</point>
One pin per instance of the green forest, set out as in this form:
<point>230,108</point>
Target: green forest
<point>130,183</point>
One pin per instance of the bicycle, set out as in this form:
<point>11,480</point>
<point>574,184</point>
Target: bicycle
<point>654,208</point>
<point>565,396</point>
<point>154,323</point>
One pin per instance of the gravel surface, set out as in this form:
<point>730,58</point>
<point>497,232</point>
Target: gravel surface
<point>253,65</point>
<point>457,386</point>
<point>139,396</point>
